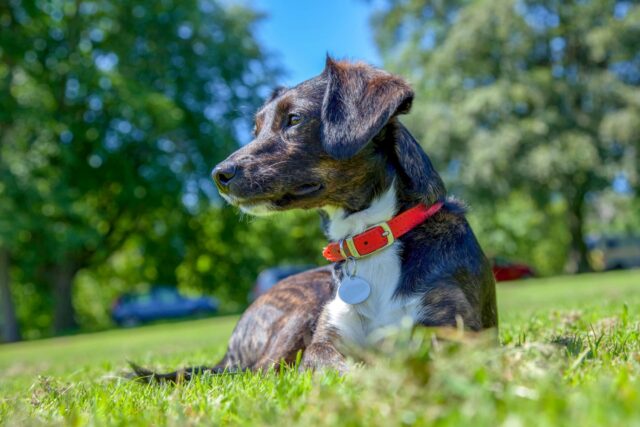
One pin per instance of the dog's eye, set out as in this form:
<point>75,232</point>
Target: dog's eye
<point>293,119</point>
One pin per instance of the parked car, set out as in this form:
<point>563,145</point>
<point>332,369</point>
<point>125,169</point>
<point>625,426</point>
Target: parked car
<point>615,252</point>
<point>161,302</point>
<point>504,270</point>
<point>269,277</point>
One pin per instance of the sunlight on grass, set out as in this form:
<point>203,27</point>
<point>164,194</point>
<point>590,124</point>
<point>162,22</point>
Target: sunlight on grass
<point>570,355</point>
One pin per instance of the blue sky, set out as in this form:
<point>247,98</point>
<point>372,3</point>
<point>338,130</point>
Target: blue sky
<point>301,32</point>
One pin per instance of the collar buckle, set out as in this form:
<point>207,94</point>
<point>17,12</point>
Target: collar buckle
<point>351,250</point>
<point>387,233</point>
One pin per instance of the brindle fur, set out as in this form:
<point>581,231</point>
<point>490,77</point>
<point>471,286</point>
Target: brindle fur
<point>350,146</point>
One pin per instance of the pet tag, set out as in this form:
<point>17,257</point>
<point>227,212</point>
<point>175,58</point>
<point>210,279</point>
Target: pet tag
<point>354,290</point>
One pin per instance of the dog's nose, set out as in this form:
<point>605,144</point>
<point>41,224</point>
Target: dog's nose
<point>224,173</point>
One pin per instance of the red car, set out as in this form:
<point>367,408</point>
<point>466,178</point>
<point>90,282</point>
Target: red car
<point>503,270</point>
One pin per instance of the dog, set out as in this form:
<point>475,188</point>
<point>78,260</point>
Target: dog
<point>334,143</point>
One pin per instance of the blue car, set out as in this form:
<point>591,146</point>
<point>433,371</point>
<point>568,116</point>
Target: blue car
<point>163,302</point>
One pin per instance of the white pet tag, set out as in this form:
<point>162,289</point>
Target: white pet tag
<point>353,289</point>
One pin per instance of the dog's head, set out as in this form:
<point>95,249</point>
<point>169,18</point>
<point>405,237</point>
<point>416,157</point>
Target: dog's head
<point>325,142</point>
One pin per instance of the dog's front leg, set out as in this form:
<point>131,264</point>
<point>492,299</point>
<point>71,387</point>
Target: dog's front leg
<point>322,352</point>
<point>323,355</point>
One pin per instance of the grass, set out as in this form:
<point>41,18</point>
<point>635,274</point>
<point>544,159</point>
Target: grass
<point>569,355</point>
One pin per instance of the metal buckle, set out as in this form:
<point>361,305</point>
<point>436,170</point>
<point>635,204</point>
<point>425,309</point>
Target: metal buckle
<point>352,248</point>
<point>342,252</point>
<point>387,233</point>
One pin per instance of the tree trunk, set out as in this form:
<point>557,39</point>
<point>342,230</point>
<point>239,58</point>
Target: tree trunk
<point>63,311</point>
<point>578,259</point>
<point>9,321</point>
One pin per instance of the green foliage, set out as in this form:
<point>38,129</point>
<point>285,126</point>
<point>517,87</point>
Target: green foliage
<point>228,253</point>
<point>515,228</point>
<point>111,116</point>
<point>223,257</point>
<point>538,97</point>
<point>566,357</point>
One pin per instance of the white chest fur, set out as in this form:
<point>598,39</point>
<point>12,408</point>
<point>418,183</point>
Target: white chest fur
<point>356,323</point>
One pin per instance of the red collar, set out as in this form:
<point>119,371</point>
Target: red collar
<point>381,235</point>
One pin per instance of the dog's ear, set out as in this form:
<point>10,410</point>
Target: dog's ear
<point>276,92</point>
<point>358,102</point>
<point>415,168</point>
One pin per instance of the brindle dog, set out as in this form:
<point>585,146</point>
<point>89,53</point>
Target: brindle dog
<point>334,143</point>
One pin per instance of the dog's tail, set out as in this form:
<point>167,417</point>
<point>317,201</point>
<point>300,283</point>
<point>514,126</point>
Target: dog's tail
<point>181,375</point>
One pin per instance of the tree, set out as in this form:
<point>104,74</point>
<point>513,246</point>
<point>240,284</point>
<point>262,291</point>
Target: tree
<point>111,116</point>
<point>9,322</point>
<point>534,96</point>
<point>226,256</point>
<point>10,224</point>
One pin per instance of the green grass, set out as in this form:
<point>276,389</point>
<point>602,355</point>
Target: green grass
<point>569,355</point>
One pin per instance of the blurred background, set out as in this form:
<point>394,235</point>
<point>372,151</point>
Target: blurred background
<point>112,114</point>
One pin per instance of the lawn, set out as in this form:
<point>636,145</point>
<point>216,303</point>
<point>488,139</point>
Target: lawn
<point>569,355</point>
